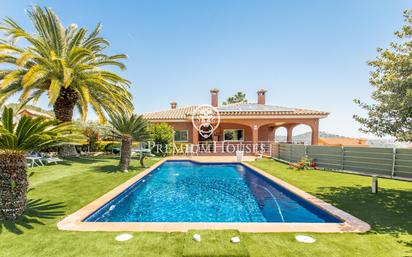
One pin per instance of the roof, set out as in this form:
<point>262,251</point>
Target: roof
<point>34,113</point>
<point>343,141</point>
<point>171,114</point>
<point>264,109</point>
<point>239,109</point>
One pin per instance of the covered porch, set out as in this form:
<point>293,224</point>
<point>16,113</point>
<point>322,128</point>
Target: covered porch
<point>253,136</point>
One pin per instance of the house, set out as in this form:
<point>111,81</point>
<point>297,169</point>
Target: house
<point>343,141</point>
<point>34,114</point>
<point>239,123</point>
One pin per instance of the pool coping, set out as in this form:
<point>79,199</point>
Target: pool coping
<point>74,222</point>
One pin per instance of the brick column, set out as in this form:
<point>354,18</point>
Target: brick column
<point>255,137</point>
<point>271,134</point>
<point>315,132</point>
<point>195,136</point>
<point>289,134</point>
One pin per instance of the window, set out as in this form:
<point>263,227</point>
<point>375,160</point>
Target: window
<point>233,134</point>
<point>181,136</point>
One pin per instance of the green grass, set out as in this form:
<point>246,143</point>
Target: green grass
<point>57,191</point>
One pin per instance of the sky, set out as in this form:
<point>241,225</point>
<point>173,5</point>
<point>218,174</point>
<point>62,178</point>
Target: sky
<point>307,54</point>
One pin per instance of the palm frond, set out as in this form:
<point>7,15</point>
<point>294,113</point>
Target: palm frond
<point>7,120</point>
<point>35,133</point>
<point>129,125</point>
<point>57,58</point>
<point>54,91</point>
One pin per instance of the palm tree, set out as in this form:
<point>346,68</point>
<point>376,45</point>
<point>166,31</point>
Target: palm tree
<point>128,127</point>
<point>67,63</point>
<point>239,97</point>
<point>16,138</point>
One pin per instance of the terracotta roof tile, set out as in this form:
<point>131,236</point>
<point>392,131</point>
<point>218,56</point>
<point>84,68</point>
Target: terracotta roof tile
<point>34,113</point>
<point>239,109</point>
<point>171,114</point>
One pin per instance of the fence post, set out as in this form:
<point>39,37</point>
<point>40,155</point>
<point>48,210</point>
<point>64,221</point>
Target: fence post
<point>343,158</point>
<point>393,161</point>
<point>279,155</point>
<point>306,150</point>
<point>270,149</point>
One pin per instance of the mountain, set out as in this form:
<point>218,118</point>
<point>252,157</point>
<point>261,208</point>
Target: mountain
<point>305,138</point>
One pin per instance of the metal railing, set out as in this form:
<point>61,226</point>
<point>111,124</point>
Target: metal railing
<point>229,147</point>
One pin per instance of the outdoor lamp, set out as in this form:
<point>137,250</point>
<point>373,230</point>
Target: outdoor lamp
<point>374,184</point>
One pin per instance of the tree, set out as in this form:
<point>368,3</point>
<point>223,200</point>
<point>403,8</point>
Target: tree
<point>67,63</point>
<point>92,134</point>
<point>391,112</point>
<point>128,127</point>
<point>94,131</point>
<point>162,135</point>
<point>239,97</point>
<point>16,139</point>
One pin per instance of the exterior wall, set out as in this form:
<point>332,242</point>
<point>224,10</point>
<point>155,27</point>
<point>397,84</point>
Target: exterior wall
<point>183,126</point>
<point>266,133</point>
<point>247,130</point>
<point>358,142</point>
<point>254,129</point>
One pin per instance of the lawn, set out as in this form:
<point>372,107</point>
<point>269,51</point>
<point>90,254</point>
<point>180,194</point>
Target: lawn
<point>56,191</point>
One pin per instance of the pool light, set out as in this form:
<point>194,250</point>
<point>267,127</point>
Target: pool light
<point>197,237</point>
<point>235,240</point>
<point>123,237</point>
<point>305,239</point>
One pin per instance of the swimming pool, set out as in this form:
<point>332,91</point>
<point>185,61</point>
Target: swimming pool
<point>187,191</point>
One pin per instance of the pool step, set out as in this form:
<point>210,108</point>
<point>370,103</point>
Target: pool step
<point>214,243</point>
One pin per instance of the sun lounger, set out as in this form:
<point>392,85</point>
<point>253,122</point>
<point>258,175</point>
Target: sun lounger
<point>34,161</point>
<point>54,160</point>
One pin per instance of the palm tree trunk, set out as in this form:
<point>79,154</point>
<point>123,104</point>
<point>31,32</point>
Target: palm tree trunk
<point>142,156</point>
<point>63,110</point>
<point>125,153</point>
<point>13,185</point>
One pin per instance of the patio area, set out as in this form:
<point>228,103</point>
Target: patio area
<point>57,191</point>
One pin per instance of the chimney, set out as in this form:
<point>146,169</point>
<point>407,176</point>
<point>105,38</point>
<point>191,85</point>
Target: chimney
<point>214,97</point>
<point>261,96</point>
<point>173,105</point>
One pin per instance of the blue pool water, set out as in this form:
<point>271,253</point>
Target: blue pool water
<point>185,191</point>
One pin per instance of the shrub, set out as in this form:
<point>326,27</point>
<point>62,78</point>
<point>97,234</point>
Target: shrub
<point>180,147</point>
<point>94,132</point>
<point>305,164</point>
<point>107,146</point>
<point>162,135</point>
<point>92,135</point>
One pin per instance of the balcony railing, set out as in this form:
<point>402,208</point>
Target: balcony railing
<point>228,147</point>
